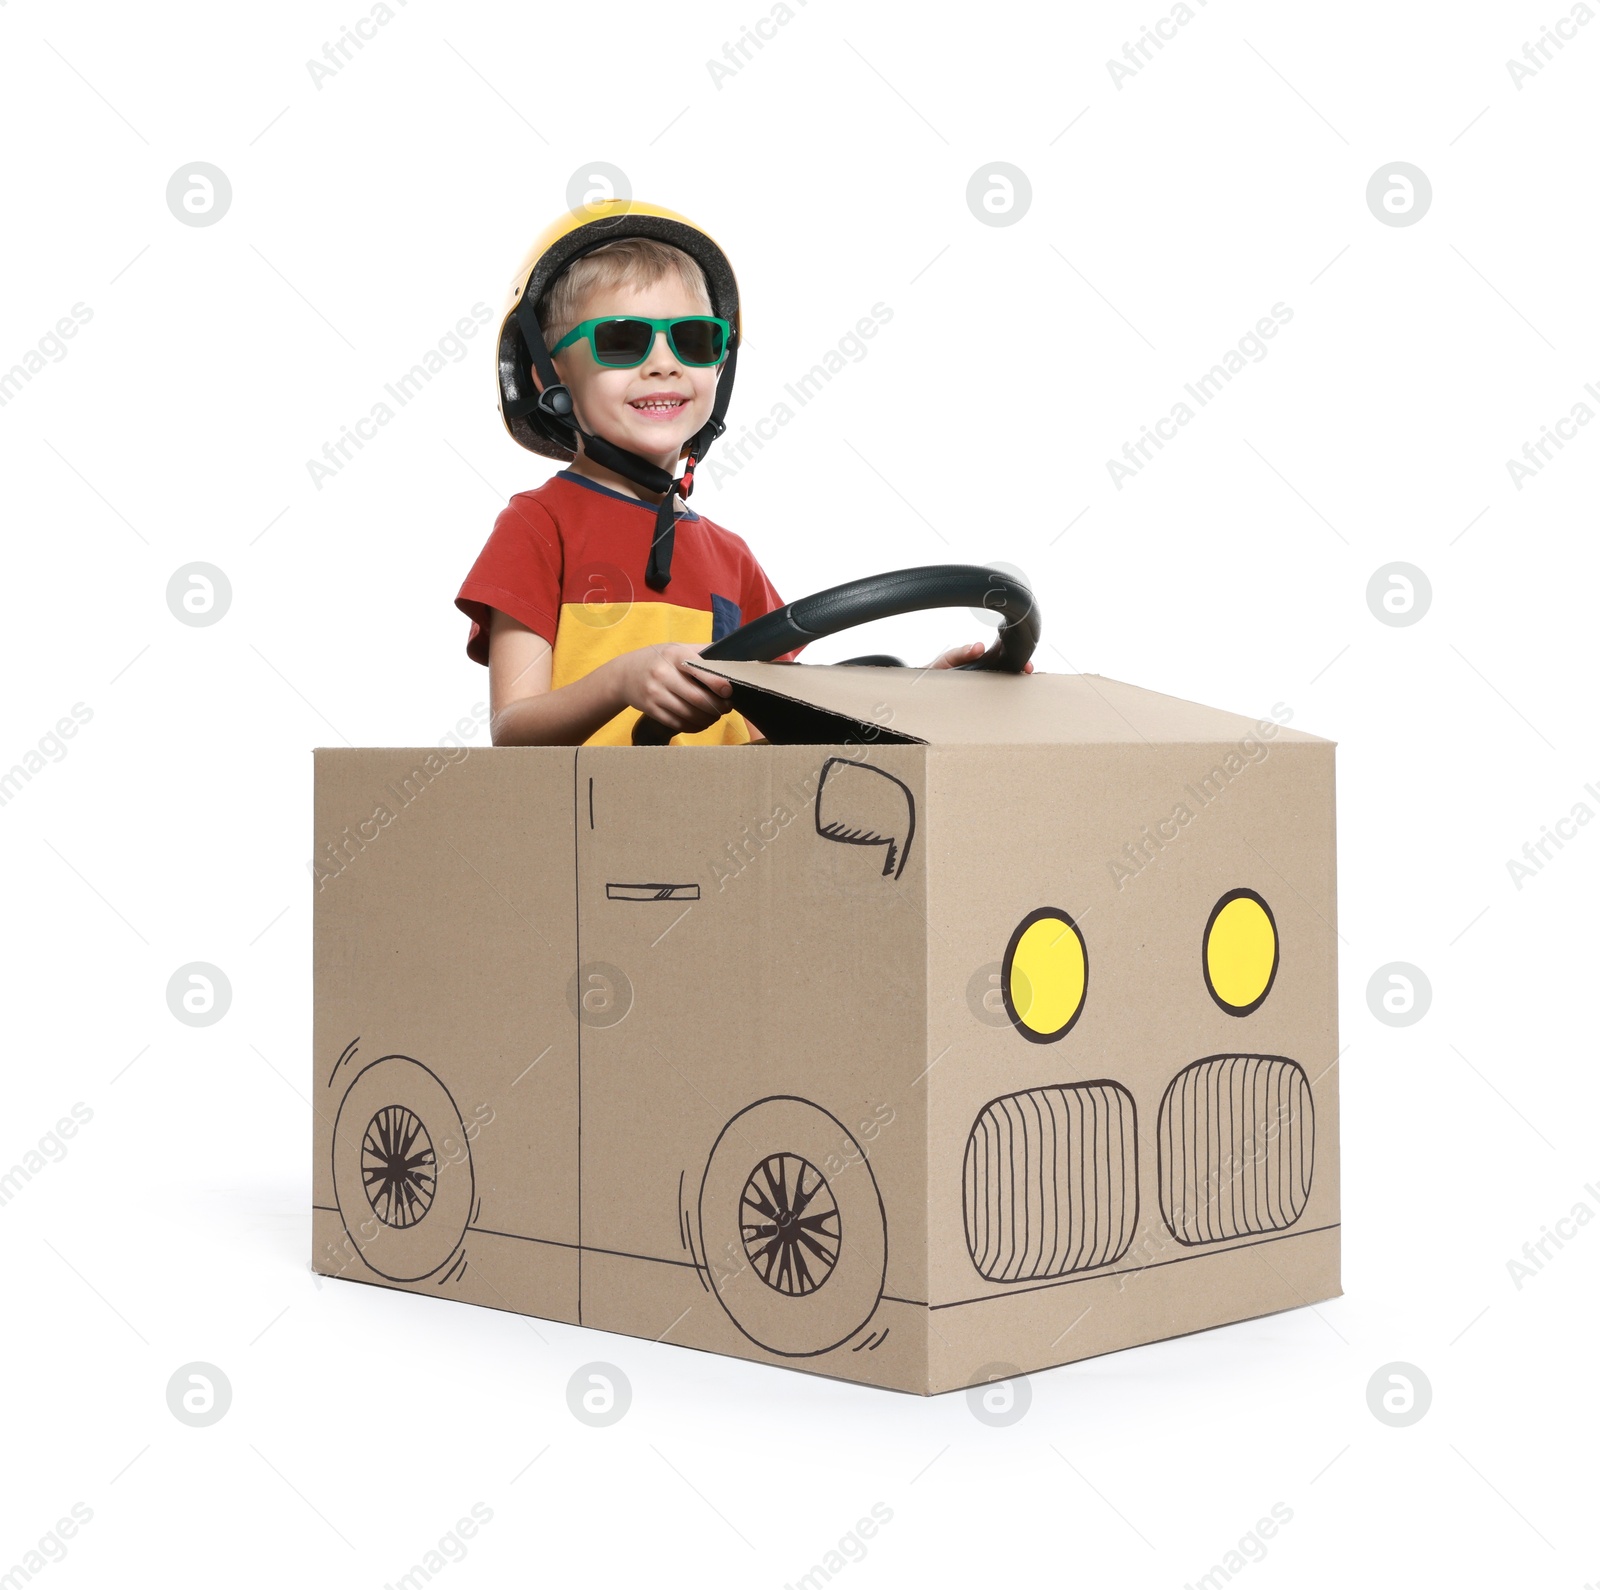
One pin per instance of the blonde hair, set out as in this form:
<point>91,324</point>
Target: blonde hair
<point>637,261</point>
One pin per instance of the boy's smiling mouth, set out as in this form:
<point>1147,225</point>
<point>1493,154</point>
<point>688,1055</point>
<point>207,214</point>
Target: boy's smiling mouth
<point>659,405</point>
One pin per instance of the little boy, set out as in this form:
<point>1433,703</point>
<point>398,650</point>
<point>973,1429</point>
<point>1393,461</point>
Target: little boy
<point>617,353</point>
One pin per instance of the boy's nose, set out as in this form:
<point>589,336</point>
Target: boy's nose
<point>661,357</point>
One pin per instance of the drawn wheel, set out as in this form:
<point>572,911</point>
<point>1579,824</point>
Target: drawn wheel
<point>402,1169</point>
<point>792,1228</point>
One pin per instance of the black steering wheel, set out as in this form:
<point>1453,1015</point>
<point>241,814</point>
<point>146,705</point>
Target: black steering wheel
<point>882,596</point>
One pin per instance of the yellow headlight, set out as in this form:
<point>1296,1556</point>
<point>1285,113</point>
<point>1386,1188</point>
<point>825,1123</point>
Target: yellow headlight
<point>1045,975</point>
<point>1241,951</point>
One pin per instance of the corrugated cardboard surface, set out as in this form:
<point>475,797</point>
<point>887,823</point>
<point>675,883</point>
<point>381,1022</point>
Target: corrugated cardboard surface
<point>747,988</point>
<point>1014,830</point>
<point>639,1004</point>
<point>445,936</point>
<point>778,1006</point>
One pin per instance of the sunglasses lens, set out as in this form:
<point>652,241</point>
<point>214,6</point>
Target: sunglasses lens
<point>697,341</point>
<point>622,342</point>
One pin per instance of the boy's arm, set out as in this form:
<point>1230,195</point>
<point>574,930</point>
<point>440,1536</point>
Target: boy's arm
<point>524,710</point>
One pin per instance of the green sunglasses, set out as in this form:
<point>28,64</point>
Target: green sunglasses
<point>621,341</point>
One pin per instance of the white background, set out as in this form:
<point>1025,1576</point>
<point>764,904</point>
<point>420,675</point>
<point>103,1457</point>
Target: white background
<point>1168,215</point>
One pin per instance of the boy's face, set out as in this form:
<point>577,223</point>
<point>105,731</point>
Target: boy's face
<point>654,408</point>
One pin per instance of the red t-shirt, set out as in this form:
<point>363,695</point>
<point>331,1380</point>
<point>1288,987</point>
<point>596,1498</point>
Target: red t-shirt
<point>568,560</point>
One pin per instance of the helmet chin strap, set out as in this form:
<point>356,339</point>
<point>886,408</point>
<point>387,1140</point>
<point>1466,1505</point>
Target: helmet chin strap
<point>555,403</point>
<point>658,571</point>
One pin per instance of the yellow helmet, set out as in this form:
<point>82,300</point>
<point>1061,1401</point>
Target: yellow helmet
<point>544,422</point>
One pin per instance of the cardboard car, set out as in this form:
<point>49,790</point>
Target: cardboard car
<point>977,1023</point>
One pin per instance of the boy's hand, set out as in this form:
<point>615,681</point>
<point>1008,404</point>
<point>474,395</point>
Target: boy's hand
<point>654,680</point>
<point>961,654</point>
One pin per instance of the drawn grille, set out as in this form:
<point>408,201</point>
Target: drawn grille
<point>1051,1181</point>
<point>1235,1140</point>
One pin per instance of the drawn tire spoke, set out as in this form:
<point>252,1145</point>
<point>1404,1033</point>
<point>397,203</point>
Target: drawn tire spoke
<point>759,1203</point>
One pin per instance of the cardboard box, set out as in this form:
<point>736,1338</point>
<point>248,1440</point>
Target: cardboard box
<point>988,1024</point>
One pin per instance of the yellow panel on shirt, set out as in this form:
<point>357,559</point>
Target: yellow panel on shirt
<point>591,634</point>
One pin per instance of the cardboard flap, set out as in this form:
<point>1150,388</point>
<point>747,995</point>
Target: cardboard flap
<point>819,704</point>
